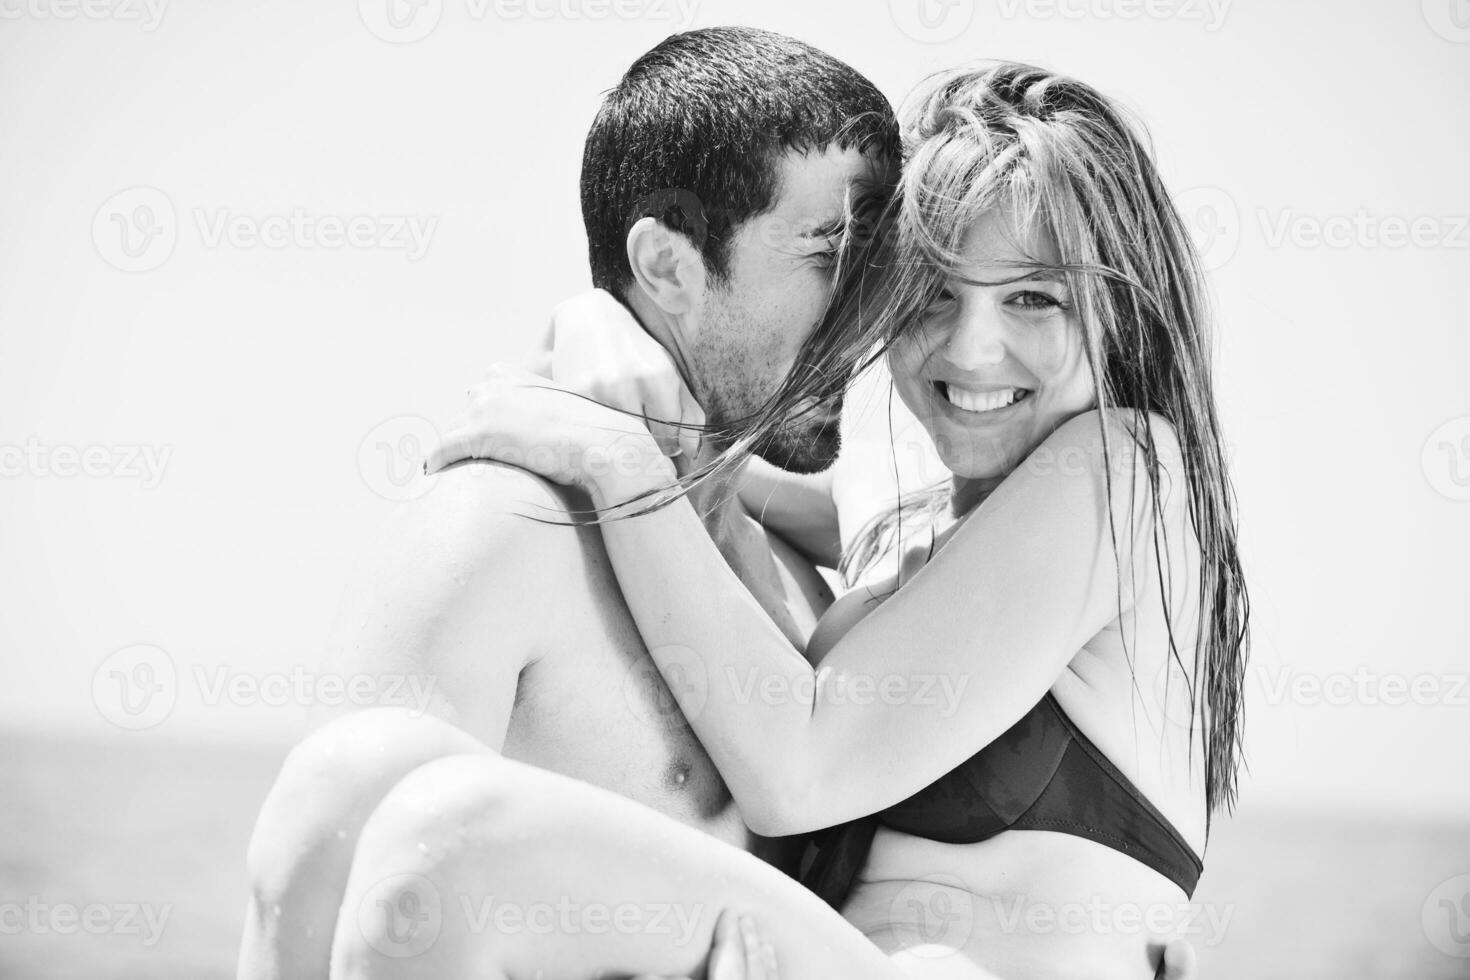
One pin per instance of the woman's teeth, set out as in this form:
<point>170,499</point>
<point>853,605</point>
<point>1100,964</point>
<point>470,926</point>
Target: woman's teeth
<point>982,401</point>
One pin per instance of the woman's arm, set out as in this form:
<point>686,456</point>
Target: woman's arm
<point>798,507</point>
<point>885,454</point>
<point>953,659</point>
<point>940,670</point>
<point>595,347</point>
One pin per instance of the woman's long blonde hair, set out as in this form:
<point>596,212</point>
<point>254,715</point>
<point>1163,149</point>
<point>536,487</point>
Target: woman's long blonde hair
<point>1066,159</point>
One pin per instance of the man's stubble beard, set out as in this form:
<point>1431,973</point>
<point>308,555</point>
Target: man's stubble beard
<point>803,445</point>
<point>811,448</point>
<point>736,394</point>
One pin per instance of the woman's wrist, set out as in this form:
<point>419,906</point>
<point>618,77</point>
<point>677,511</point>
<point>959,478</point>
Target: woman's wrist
<point>611,492</point>
<point>629,468</point>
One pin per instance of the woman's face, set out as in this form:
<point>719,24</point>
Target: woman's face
<point>991,371</point>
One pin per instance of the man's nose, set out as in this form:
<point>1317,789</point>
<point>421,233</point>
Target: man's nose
<point>978,338</point>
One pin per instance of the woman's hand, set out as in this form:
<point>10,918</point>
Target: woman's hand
<point>595,347</point>
<point>539,425</point>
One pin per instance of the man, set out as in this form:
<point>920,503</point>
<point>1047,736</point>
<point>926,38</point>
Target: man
<point>714,186</point>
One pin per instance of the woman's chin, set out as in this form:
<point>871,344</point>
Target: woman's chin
<point>974,467</point>
<point>978,460</point>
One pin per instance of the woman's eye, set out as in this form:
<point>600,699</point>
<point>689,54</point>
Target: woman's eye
<point>1032,300</point>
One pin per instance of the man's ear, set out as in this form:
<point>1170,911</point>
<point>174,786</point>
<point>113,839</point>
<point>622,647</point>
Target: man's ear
<point>666,265</point>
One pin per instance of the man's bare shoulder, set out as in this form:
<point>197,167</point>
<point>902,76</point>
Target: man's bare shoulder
<point>460,585</point>
<point>477,511</point>
<point>466,561</point>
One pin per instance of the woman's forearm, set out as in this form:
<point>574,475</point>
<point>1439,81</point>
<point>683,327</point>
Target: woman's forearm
<point>918,684</point>
<point>747,692</point>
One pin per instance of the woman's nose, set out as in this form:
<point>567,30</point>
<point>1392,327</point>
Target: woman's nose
<point>977,339</point>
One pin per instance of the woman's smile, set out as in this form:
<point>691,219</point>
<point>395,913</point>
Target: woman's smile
<point>989,403</point>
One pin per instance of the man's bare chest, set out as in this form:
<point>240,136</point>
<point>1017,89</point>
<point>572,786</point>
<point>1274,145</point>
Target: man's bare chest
<point>593,705</point>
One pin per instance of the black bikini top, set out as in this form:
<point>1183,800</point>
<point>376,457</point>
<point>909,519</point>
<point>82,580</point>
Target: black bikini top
<point>1042,774</point>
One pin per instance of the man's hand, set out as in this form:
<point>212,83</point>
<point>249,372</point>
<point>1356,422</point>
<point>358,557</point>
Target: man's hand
<point>1180,962</point>
<point>738,953</point>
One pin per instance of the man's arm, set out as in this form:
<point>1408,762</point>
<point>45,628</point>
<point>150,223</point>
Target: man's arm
<point>434,628</point>
<point>436,616</point>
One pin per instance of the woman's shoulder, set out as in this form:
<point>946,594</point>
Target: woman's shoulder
<point>1119,429</point>
<point>1128,457</point>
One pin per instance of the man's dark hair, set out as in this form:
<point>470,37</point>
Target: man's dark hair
<point>700,122</point>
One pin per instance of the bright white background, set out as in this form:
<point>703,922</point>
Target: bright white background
<point>260,370</point>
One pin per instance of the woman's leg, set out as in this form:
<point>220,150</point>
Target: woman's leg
<point>477,866</point>
<point>303,841</point>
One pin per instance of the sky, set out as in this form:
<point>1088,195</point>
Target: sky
<point>249,254</point>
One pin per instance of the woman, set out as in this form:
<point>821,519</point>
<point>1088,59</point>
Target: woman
<point>1018,738</point>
